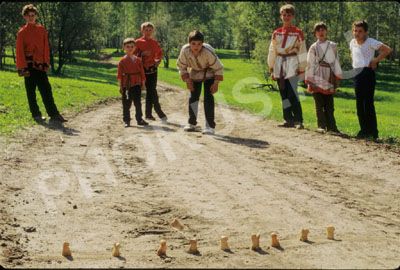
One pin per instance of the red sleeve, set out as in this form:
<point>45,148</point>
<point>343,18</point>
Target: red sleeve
<point>142,71</point>
<point>119,71</point>
<point>46,47</point>
<point>20,54</point>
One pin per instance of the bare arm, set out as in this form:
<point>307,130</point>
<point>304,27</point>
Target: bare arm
<point>384,51</point>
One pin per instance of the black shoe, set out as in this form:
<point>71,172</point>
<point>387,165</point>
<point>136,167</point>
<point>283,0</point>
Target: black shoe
<point>286,125</point>
<point>127,124</point>
<point>361,135</point>
<point>142,123</point>
<point>150,118</point>
<point>39,118</point>
<point>58,118</point>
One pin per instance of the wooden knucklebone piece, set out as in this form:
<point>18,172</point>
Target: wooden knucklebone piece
<point>330,232</point>
<point>162,250</point>
<point>115,250</point>
<point>274,240</point>
<point>224,243</point>
<point>255,239</point>
<point>177,224</point>
<point>66,252</point>
<point>304,235</point>
<point>193,246</point>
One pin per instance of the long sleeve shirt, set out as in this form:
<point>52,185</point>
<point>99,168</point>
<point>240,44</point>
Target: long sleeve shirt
<point>287,52</point>
<point>150,45</point>
<point>130,71</point>
<point>32,41</point>
<point>205,65</point>
<point>322,64</point>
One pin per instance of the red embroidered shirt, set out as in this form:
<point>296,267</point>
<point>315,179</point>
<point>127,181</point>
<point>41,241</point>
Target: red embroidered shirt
<point>130,70</point>
<point>32,40</point>
<point>151,45</point>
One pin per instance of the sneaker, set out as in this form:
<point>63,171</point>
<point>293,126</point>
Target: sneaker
<point>164,120</point>
<point>299,126</point>
<point>127,124</point>
<point>39,118</point>
<point>150,118</point>
<point>321,130</point>
<point>58,118</point>
<point>142,123</point>
<point>190,127</point>
<point>286,125</point>
<point>208,130</point>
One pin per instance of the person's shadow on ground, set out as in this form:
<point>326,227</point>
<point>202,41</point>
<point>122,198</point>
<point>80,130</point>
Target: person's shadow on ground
<point>252,143</point>
<point>58,126</point>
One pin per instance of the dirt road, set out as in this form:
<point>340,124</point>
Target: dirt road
<point>95,183</point>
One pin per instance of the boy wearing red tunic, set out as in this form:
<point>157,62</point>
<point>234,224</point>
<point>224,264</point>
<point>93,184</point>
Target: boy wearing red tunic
<point>131,80</point>
<point>33,60</point>
<point>148,49</point>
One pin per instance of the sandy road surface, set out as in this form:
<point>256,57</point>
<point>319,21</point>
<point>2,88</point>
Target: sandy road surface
<point>95,183</point>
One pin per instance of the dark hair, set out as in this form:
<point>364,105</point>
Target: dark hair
<point>128,40</point>
<point>318,26</point>
<point>196,35</point>
<point>361,23</point>
<point>29,8</point>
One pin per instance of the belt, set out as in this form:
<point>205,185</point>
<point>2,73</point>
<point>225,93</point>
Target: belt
<point>150,70</point>
<point>287,55</point>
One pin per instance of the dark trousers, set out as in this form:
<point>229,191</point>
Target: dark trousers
<point>152,96</point>
<point>291,106</point>
<point>364,83</point>
<point>39,78</point>
<point>208,103</point>
<point>324,107</point>
<point>134,94</point>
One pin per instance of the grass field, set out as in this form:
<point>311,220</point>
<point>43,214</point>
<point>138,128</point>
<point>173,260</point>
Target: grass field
<point>88,81</point>
<point>268,103</point>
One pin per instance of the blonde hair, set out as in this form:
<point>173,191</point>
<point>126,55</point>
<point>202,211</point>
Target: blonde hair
<point>146,24</point>
<point>128,40</point>
<point>289,8</point>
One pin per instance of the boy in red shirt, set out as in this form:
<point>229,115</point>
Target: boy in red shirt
<point>33,60</point>
<point>131,79</point>
<point>150,51</point>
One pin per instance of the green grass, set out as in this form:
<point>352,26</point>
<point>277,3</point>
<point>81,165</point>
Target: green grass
<point>268,103</point>
<point>88,81</point>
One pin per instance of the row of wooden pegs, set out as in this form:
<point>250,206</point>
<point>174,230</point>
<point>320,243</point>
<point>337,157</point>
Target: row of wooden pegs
<point>255,238</point>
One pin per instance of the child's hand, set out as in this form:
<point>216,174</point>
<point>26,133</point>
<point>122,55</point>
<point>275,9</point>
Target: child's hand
<point>189,85</point>
<point>214,87</point>
<point>146,53</point>
<point>373,64</point>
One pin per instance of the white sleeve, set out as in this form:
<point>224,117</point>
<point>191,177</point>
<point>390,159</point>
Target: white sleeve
<point>182,64</point>
<point>375,44</point>
<point>310,64</point>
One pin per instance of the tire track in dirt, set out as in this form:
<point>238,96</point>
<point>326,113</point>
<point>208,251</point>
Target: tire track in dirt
<point>100,183</point>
